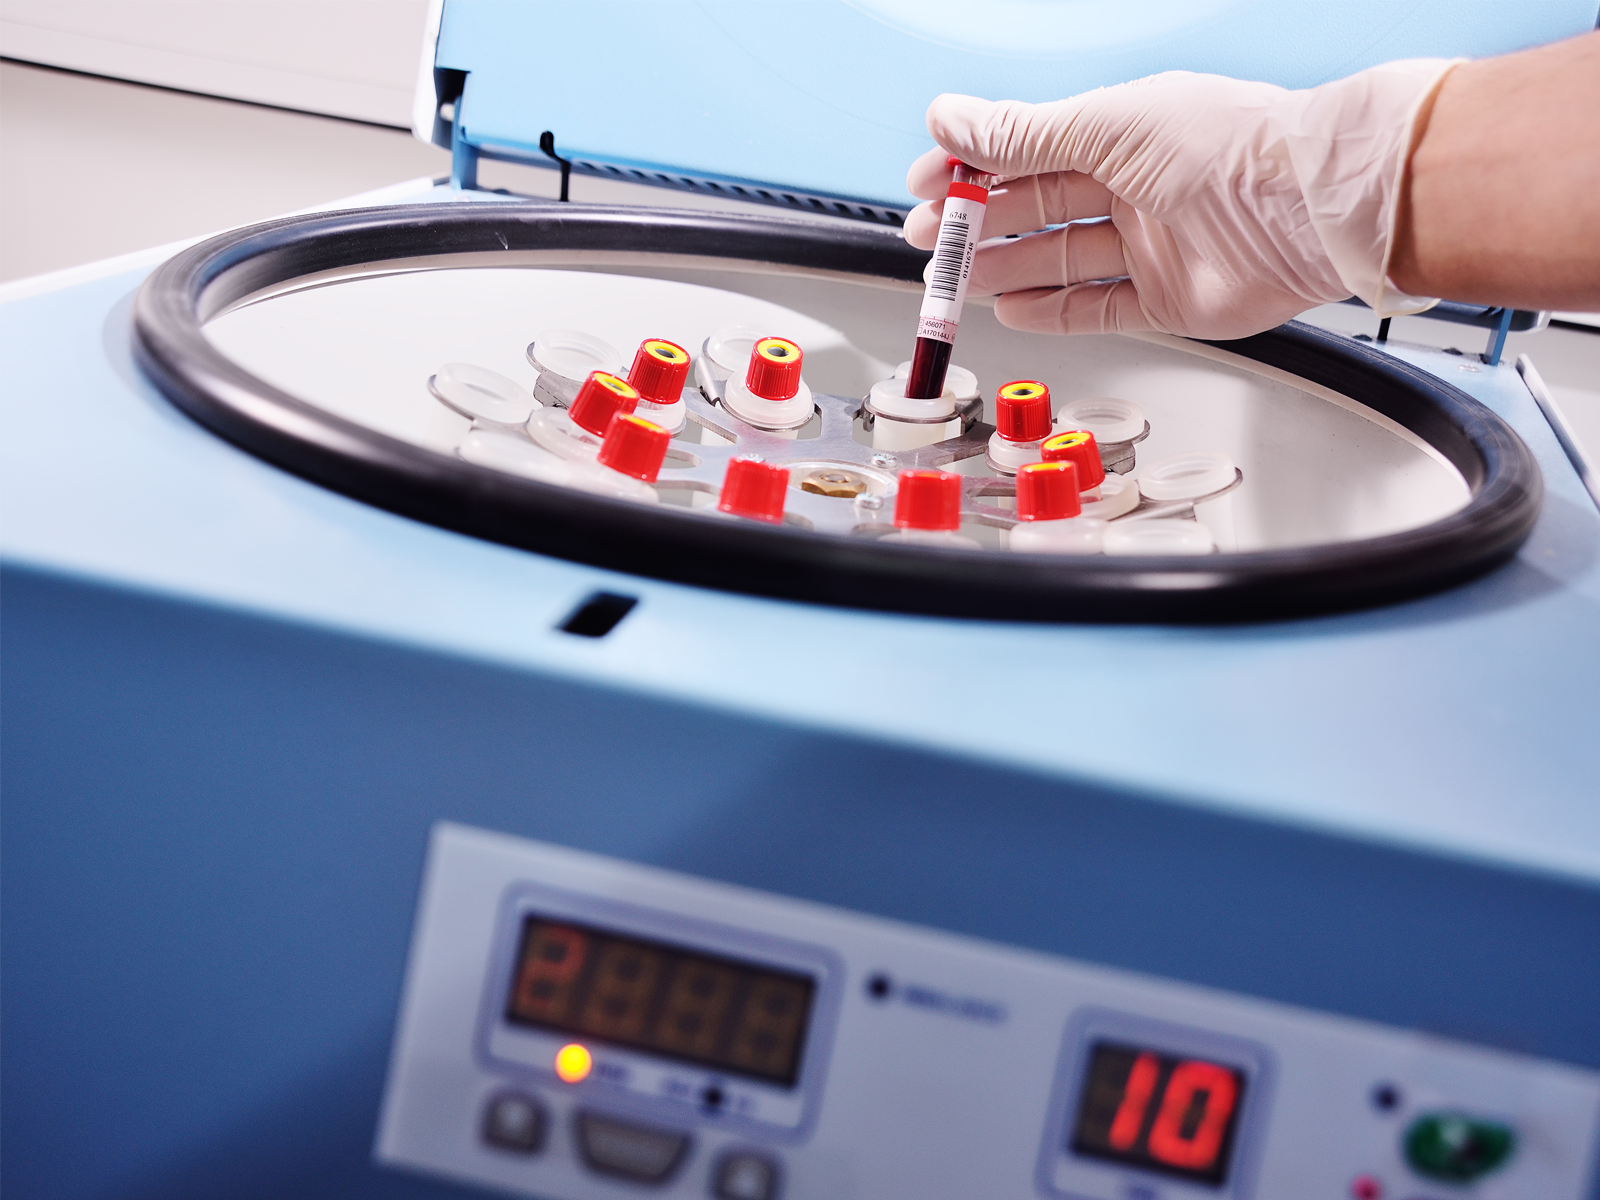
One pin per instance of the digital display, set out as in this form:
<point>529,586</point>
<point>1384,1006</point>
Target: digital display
<point>680,1004</point>
<point>1160,1112</point>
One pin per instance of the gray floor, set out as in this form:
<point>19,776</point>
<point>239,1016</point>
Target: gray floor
<point>91,168</point>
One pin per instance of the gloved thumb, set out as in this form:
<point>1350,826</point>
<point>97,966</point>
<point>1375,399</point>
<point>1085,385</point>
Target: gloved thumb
<point>1005,137</point>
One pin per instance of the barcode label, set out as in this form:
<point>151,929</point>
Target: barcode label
<point>950,260</point>
<point>952,266</point>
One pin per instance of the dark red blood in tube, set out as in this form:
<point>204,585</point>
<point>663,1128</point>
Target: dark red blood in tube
<point>931,358</point>
<point>929,363</point>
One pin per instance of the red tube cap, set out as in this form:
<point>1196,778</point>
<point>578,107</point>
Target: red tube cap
<point>928,500</point>
<point>774,371</point>
<point>659,371</point>
<point>1076,446</point>
<point>634,447</point>
<point>602,396</point>
<point>1022,411</point>
<point>1048,491</point>
<point>754,489</point>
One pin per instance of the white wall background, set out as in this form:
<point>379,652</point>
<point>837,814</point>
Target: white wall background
<point>346,58</point>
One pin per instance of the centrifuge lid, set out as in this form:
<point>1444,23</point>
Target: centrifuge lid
<point>827,97</point>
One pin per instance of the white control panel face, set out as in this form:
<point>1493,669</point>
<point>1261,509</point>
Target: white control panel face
<point>576,1027</point>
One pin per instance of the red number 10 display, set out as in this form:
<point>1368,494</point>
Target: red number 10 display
<point>1158,1111</point>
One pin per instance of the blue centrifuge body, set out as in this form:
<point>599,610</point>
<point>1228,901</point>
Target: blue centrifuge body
<point>236,703</point>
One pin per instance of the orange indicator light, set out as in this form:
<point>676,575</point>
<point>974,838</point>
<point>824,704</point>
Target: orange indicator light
<point>573,1063</point>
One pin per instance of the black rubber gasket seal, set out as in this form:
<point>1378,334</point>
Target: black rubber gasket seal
<point>172,349</point>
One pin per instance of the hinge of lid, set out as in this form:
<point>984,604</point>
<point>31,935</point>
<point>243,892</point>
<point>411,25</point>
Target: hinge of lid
<point>463,155</point>
<point>1497,338</point>
<point>1498,321</point>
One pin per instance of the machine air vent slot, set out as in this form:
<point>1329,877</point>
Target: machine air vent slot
<point>599,614</point>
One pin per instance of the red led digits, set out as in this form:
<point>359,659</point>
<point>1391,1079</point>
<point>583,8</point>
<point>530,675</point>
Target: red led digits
<point>601,397</point>
<point>625,978</point>
<point>1076,446</point>
<point>634,447</point>
<point>552,956</point>
<point>659,371</point>
<point>1125,1126</point>
<point>754,489</point>
<point>601,990</point>
<point>1199,1149</point>
<point>1175,1116</point>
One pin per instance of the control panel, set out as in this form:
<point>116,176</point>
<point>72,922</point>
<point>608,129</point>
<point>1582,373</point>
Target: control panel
<point>575,1027</point>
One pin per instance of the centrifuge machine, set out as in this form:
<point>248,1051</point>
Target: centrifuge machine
<point>505,694</point>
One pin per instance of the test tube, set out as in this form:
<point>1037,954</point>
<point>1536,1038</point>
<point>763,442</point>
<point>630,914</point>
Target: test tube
<point>946,291</point>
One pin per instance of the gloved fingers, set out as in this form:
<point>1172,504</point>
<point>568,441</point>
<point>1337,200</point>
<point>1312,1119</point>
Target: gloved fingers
<point>1021,206</point>
<point>1068,255</point>
<point>922,224</point>
<point>1108,307</point>
<point>1034,201</point>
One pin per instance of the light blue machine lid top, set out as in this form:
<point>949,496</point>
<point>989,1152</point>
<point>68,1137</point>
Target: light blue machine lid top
<point>828,97</point>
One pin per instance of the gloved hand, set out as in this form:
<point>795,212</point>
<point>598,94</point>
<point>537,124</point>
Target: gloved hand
<point>1233,205</point>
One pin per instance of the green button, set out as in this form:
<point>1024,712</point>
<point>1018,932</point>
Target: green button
<point>1455,1148</point>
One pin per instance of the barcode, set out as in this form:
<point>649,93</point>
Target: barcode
<point>948,258</point>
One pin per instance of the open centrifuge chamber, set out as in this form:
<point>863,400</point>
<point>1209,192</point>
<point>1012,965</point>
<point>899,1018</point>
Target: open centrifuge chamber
<point>1334,476</point>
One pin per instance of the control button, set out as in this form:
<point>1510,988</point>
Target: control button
<point>1366,1187</point>
<point>745,1176</point>
<point>515,1122</point>
<point>637,1152</point>
<point>1457,1148</point>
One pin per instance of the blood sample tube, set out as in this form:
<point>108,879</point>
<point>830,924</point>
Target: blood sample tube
<point>927,510</point>
<point>660,370</point>
<point>946,291</point>
<point>1076,446</point>
<point>772,395</point>
<point>634,447</point>
<point>1049,512</point>
<point>575,433</point>
<point>629,460</point>
<point>1022,422</point>
<point>754,489</point>
<point>1104,496</point>
<point>601,397</point>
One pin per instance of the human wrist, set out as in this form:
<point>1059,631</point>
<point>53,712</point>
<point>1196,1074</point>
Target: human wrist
<point>1350,143</point>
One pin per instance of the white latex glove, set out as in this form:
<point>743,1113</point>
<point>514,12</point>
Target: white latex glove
<point>1233,205</point>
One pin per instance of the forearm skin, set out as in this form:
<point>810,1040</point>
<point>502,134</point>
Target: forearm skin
<point>1501,204</point>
